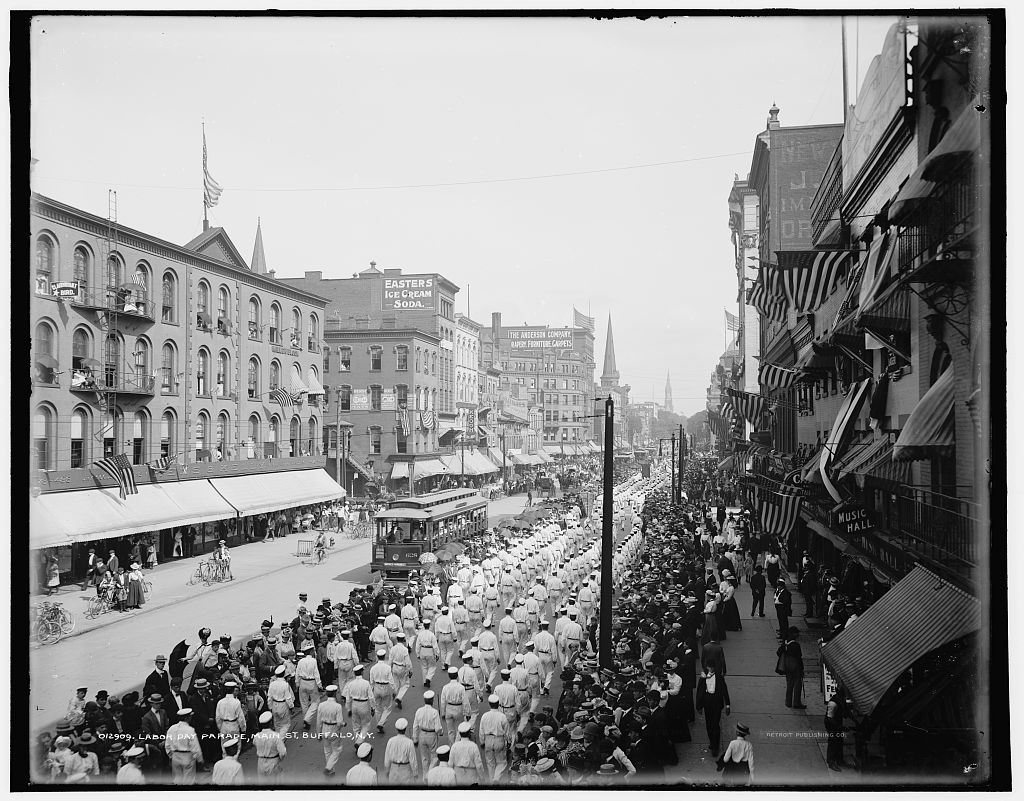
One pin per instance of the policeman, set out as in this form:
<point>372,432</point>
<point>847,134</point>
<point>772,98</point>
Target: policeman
<point>427,731</point>
<point>465,758</point>
<point>282,701</point>
<point>182,745</point>
<point>330,719</point>
<point>544,647</point>
<point>400,761</point>
<point>270,751</point>
<point>428,652</point>
<point>382,680</point>
<point>401,668</point>
<point>508,636</point>
<point>357,703</point>
<point>444,628</point>
<point>452,703</point>
<point>494,734</point>
<point>470,680</point>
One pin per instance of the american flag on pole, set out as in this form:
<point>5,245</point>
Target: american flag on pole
<point>402,418</point>
<point>749,406</point>
<point>580,320</point>
<point>162,464</point>
<point>282,396</point>
<point>139,280</point>
<point>771,376</point>
<point>120,469</point>
<point>211,189</point>
<point>732,322</point>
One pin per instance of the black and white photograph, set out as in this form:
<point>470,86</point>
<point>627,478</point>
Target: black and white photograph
<point>510,399</point>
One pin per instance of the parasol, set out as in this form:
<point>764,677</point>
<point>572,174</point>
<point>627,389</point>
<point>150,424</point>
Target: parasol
<point>434,570</point>
<point>443,556</point>
<point>456,548</point>
<point>427,558</point>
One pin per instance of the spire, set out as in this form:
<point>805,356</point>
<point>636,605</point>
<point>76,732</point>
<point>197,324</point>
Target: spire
<point>609,372</point>
<point>259,259</point>
<point>668,392</point>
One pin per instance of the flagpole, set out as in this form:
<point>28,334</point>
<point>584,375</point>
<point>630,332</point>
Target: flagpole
<point>206,221</point>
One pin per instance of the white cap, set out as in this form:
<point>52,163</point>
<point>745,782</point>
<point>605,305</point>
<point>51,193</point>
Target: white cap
<point>428,695</point>
<point>493,699</point>
<point>266,717</point>
<point>465,728</point>
<point>184,712</point>
<point>279,671</point>
<point>381,653</point>
<point>364,750</point>
<point>401,724</point>
<point>331,688</point>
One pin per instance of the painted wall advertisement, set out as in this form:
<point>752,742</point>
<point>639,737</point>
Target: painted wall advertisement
<point>799,159</point>
<point>535,338</point>
<point>64,289</point>
<point>360,400</point>
<point>388,400</point>
<point>409,293</point>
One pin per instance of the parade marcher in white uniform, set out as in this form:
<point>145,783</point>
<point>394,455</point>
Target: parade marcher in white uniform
<point>401,764</point>
<point>401,668</point>
<point>488,648</point>
<point>444,628</point>
<point>545,648</point>
<point>358,695</point>
<point>362,774</point>
<point>452,703</point>
<point>330,720</point>
<point>465,758</point>
<point>442,774</point>
<point>428,652</point>
<point>382,681</point>
<point>427,731</point>
<point>182,745</point>
<point>282,701</point>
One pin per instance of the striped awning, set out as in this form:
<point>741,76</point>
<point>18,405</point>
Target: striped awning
<point>840,429</point>
<point>315,387</point>
<point>921,613</point>
<point>890,313</point>
<point>865,454</point>
<point>929,431</point>
<point>400,471</point>
<point>883,468</point>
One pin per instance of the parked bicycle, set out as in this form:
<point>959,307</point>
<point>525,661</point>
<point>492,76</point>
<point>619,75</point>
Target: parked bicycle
<point>209,572</point>
<point>53,621</point>
<point>99,605</point>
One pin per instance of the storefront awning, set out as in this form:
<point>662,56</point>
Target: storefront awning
<point>542,457</point>
<point>269,492</point>
<point>400,471</point>
<point>840,429</point>
<point>483,465</point>
<point>428,468</point>
<point>449,436</point>
<point>921,613</point>
<point>867,452</point>
<point>960,143</point>
<point>929,431</point>
<point>62,518</point>
<point>315,387</point>
<point>883,468</point>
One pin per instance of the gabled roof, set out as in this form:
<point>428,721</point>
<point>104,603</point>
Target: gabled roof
<point>216,244</point>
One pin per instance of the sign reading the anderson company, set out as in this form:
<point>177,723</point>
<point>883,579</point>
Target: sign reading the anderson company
<point>410,293</point>
<point>535,338</point>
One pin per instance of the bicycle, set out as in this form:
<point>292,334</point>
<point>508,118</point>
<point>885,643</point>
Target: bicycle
<point>316,557</point>
<point>47,631</point>
<point>98,605</point>
<point>147,588</point>
<point>202,575</point>
<point>52,610</point>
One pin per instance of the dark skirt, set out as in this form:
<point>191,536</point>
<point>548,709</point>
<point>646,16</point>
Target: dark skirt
<point>136,597</point>
<point>678,715</point>
<point>731,616</point>
<point>711,630</point>
<point>736,772</point>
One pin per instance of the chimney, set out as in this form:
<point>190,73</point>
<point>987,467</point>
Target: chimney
<point>773,118</point>
<point>315,275</point>
<point>271,273</point>
<point>495,331</point>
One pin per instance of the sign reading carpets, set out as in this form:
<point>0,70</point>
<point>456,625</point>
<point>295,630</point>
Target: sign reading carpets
<point>535,338</point>
<point>410,292</point>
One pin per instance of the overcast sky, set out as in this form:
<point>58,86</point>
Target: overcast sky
<point>328,129</point>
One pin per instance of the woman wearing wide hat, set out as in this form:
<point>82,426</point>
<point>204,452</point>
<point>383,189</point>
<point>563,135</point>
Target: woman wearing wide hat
<point>737,763</point>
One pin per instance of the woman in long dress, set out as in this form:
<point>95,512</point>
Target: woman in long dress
<point>176,551</point>
<point>711,630</point>
<point>52,575</point>
<point>151,555</point>
<point>136,597</point>
<point>730,610</point>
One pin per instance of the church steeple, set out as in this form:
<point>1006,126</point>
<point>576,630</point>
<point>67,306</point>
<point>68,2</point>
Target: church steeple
<point>668,392</point>
<point>259,259</point>
<point>610,375</point>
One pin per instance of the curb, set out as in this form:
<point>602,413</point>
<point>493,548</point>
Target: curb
<point>220,586</point>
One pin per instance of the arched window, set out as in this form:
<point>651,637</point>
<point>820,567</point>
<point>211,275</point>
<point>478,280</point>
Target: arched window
<point>433,363</point>
<point>168,368</point>
<point>295,434</point>
<point>296,332</point>
<point>168,440</point>
<point>43,438</point>
<point>254,318</point>
<point>272,448</point>
<point>80,270</point>
<point>203,373</point>
<point>275,375</point>
<point>223,374</point>
<point>222,302</point>
<point>254,378</point>
<point>79,437</point>
<point>140,284</point>
<point>45,251</point>
<point>203,318</point>
<point>255,440</point>
<point>142,370</point>
<point>314,333</point>
<point>202,436</point>
<point>112,360</point>
<point>115,272</point>
<point>81,349</point>
<point>140,427</point>
<point>275,324</point>
<point>223,443</point>
<point>312,441</point>
<point>45,362</point>
<point>169,295</point>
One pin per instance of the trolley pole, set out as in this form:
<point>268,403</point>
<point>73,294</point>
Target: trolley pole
<point>607,540</point>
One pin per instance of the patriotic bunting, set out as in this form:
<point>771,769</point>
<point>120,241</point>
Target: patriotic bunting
<point>809,277</point>
<point>162,464</point>
<point>120,469</point>
<point>402,418</point>
<point>771,376</point>
<point>767,294</point>
<point>778,513</point>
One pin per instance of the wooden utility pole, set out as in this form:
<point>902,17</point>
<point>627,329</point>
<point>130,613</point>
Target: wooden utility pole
<point>607,539</point>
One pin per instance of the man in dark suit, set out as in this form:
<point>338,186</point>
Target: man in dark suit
<point>794,662</point>
<point>154,726</point>
<point>757,589</point>
<point>159,681</point>
<point>177,697</point>
<point>112,562</point>
<point>712,698</point>
<point>783,607</point>
<point>204,720</point>
<point>713,656</point>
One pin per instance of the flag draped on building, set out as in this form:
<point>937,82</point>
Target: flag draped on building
<point>139,280</point>
<point>282,396</point>
<point>778,513</point>
<point>749,406</point>
<point>162,464</point>
<point>771,376</point>
<point>402,419</point>
<point>427,419</point>
<point>732,322</point>
<point>809,276</point>
<point>120,469</point>
<point>767,294</point>
<point>211,189</point>
<point>580,320</point>
<point>719,426</point>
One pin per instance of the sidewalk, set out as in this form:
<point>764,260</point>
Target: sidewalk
<point>170,580</point>
<point>789,744</point>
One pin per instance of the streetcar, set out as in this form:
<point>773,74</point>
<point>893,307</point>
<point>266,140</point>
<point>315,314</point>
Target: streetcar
<point>411,526</point>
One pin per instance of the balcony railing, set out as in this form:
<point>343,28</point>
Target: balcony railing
<point>111,380</point>
<point>825,220</point>
<point>940,528</point>
<point>942,226</point>
<point>130,303</point>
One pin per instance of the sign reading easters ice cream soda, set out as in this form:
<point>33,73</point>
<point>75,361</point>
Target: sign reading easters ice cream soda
<point>410,292</point>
